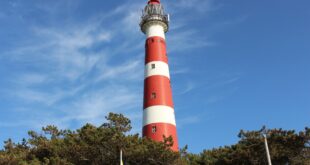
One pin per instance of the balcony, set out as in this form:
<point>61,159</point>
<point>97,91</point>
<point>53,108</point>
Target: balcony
<point>154,13</point>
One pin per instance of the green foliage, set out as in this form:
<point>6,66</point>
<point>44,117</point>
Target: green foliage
<point>286,147</point>
<point>101,145</point>
<point>88,145</point>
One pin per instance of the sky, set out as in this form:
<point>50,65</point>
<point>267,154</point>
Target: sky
<point>234,65</point>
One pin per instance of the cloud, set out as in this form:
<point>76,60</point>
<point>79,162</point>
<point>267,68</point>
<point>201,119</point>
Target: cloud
<point>201,6</point>
<point>131,70</point>
<point>221,95</point>
<point>223,80</point>
<point>189,87</point>
<point>16,124</point>
<point>71,75</point>
<point>30,79</point>
<point>78,72</point>
<point>93,106</point>
<point>186,40</point>
<point>179,71</point>
<point>187,37</point>
<point>132,18</point>
<point>188,121</point>
<point>2,15</point>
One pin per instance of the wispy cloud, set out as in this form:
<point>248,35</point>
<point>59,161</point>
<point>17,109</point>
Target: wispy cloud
<point>179,71</point>
<point>71,73</point>
<point>221,95</point>
<point>188,121</point>
<point>30,79</point>
<point>223,80</point>
<point>189,87</point>
<point>131,70</point>
<point>94,105</point>
<point>220,86</point>
<point>186,40</point>
<point>2,15</point>
<point>195,5</point>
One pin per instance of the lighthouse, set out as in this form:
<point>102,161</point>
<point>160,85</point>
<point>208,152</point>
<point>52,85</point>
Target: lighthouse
<point>158,108</point>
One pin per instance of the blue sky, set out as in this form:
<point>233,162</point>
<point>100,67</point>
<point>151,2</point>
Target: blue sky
<point>234,65</point>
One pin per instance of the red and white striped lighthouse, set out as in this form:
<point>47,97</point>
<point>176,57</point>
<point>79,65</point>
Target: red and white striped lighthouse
<point>158,109</point>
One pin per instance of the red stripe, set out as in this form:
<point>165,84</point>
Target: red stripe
<point>155,50</point>
<point>162,129</point>
<point>160,87</point>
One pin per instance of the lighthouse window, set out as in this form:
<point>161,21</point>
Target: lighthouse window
<point>153,129</point>
<point>153,96</point>
<point>153,66</point>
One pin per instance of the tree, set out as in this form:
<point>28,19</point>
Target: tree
<point>89,145</point>
<point>101,145</point>
<point>286,147</point>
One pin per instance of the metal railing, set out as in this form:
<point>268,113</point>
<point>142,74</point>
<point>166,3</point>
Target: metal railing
<point>154,12</point>
<point>154,17</point>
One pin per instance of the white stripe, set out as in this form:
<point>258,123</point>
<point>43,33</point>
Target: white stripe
<point>155,30</point>
<point>161,68</point>
<point>158,114</point>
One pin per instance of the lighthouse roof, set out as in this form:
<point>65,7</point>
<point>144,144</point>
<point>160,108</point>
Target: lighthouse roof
<point>154,2</point>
